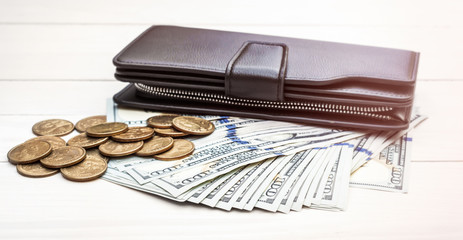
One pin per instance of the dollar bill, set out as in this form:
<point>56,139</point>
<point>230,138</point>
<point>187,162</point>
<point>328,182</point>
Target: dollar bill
<point>389,170</point>
<point>179,182</point>
<point>129,162</point>
<point>211,186</point>
<point>272,197</point>
<point>115,176</point>
<point>262,141</point>
<point>124,163</point>
<point>314,194</point>
<point>235,191</point>
<point>312,180</point>
<point>276,166</point>
<point>291,197</point>
<point>254,181</point>
<point>198,190</point>
<point>214,197</point>
<point>251,198</point>
<point>333,195</point>
<point>362,148</point>
<point>384,139</point>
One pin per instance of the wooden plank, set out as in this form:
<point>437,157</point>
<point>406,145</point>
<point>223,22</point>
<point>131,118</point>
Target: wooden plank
<point>62,52</point>
<point>86,51</point>
<point>54,208</point>
<point>56,97</point>
<point>437,139</point>
<point>27,102</point>
<point>18,128</point>
<point>240,12</point>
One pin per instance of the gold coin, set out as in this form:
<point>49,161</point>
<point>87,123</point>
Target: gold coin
<point>134,134</point>
<point>107,129</point>
<point>53,127</point>
<point>181,149</point>
<point>193,125</point>
<point>161,121</point>
<point>89,169</point>
<point>118,149</point>
<point>35,170</point>
<point>85,123</point>
<point>64,157</point>
<point>82,140</point>
<point>95,153</point>
<point>155,145</point>
<point>56,142</point>
<point>29,152</point>
<point>169,132</point>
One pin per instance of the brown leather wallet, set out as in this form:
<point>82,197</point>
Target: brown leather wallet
<point>202,71</point>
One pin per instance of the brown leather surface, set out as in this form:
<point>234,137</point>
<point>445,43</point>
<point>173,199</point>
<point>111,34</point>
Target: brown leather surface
<point>310,62</point>
<point>326,72</point>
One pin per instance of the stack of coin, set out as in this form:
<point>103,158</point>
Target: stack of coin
<point>85,156</point>
<point>48,154</point>
<point>174,126</point>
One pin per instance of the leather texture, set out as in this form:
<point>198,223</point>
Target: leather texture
<point>270,68</point>
<point>260,66</point>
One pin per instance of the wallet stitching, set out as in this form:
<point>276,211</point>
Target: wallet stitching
<point>116,58</point>
<point>334,78</point>
<point>370,91</point>
<point>172,65</point>
<point>396,78</point>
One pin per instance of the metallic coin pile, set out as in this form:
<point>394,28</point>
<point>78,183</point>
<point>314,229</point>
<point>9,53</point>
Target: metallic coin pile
<point>84,157</point>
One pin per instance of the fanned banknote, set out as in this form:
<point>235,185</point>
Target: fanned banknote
<point>271,165</point>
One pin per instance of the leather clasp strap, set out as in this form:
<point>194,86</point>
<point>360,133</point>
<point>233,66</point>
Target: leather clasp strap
<point>257,71</point>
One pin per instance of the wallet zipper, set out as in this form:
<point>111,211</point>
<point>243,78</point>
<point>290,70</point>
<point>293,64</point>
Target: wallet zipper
<point>365,111</point>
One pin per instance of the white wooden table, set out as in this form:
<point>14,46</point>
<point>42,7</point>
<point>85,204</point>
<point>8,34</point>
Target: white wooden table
<point>55,62</point>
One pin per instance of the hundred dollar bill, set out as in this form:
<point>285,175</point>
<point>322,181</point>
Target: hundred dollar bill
<point>205,190</point>
<point>210,199</point>
<point>213,197</point>
<point>334,193</point>
<point>131,161</point>
<point>196,191</point>
<point>386,138</point>
<point>291,196</point>
<point>259,187</point>
<point>336,188</point>
<point>138,116</point>
<point>313,178</point>
<point>364,153</point>
<point>115,176</point>
<point>264,141</point>
<point>180,182</point>
<point>388,171</point>
<point>233,192</point>
<point>272,197</point>
<point>314,193</point>
<point>134,117</point>
<point>361,149</point>
<point>255,180</point>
